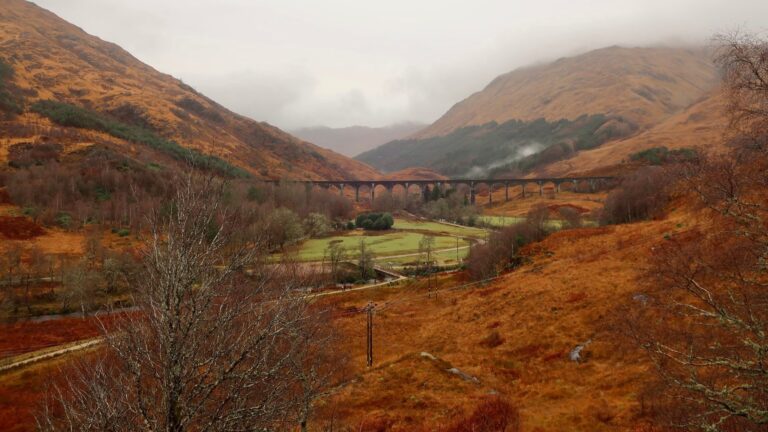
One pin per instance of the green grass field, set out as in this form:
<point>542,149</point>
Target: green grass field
<point>438,228</point>
<point>443,258</point>
<point>500,221</point>
<point>503,221</point>
<point>402,240</point>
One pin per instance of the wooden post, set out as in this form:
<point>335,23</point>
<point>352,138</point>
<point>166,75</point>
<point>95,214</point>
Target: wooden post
<point>490,195</point>
<point>369,350</point>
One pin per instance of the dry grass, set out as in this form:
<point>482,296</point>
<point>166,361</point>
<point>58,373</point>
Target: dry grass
<point>520,206</point>
<point>53,59</point>
<point>612,80</point>
<point>513,335</point>
<point>571,293</point>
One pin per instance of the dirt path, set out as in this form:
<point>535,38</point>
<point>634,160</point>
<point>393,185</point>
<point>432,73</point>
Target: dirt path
<point>42,355</point>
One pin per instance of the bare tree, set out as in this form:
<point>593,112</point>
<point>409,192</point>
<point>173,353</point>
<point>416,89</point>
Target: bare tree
<point>571,217</point>
<point>365,261</point>
<point>744,61</point>
<point>221,342</point>
<point>336,255</point>
<point>12,267</point>
<point>706,328</point>
<point>426,253</point>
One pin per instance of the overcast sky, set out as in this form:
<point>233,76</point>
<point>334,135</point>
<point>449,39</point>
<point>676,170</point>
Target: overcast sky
<point>299,63</point>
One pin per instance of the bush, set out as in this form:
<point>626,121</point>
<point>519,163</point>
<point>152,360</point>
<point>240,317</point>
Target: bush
<point>493,340</point>
<point>123,232</point>
<point>375,221</point>
<point>492,415</point>
<point>317,225</point>
<point>452,208</point>
<point>73,116</point>
<point>24,155</point>
<point>570,216</point>
<point>500,251</point>
<point>64,220</point>
<point>642,195</point>
<point>661,155</point>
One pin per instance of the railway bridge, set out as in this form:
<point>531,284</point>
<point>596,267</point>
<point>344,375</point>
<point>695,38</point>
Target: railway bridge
<point>369,186</point>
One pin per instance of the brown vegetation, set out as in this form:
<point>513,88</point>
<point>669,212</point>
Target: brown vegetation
<point>51,59</point>
<point>19,228</point>
<point>210,345</point>
<point>502,250</point>
<point>705,324</point>
<point>641,195</point>
<point>637,84</point>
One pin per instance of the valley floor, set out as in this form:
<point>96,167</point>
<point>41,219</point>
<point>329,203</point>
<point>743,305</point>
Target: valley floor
<point>512,334</point>
<point>573,292</point>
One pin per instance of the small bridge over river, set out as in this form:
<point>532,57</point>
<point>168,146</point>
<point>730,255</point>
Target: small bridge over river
<point>369,186</point>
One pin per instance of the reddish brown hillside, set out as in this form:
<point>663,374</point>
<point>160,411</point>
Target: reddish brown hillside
<point>54,60</point>
<point>642,85</point>
<point>701,126</point>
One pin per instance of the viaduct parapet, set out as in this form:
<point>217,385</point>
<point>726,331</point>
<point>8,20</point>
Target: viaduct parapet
<point>369,186</point>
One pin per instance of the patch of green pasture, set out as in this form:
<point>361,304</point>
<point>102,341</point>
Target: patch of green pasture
<point>442,258</point>
<point>505,221</point>
<point>385,244</point>
<point>438,228</point>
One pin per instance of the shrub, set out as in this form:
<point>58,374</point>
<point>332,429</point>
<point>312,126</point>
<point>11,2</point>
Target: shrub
<point>492,415</point>
<point>375,221</point>
<point>641,196</point>
<point>316,225</point>
<point>570,216</point>
<point>661,155</point>
<point>123,232</point>
<point>493,340</point>
<point>500,251</point>
<point>64,220</point>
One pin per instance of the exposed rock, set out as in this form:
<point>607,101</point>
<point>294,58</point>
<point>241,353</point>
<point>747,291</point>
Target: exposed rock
<point>465,376</point>
<point>575,354</point>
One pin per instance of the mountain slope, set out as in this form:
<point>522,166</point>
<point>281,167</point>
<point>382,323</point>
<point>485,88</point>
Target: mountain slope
<point>700,126</point>
<point>641,85</point>
<point>480,151</point>
<point>51,59</point>
<point>530,118</point>
<point>353,140</point>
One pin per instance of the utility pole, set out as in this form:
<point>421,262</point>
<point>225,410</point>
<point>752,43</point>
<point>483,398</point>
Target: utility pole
<point>369,351</point>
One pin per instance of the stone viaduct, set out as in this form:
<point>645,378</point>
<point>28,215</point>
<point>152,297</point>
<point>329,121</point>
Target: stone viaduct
<point>369,186</point>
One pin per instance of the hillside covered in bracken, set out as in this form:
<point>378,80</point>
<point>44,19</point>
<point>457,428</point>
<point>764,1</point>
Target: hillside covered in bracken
<point>640,85</point>
<point>65,86</point>
<point>535,116</point>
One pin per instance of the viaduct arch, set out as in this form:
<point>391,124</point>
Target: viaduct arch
<point>369,186</point>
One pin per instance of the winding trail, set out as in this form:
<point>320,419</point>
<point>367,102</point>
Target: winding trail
<point>47,354</point>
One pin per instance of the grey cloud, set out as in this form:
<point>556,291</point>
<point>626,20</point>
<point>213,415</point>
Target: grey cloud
<point>337,62</point>
<point>264,97</point>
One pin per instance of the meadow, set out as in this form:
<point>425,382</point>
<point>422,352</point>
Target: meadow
<point>398,245</point>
